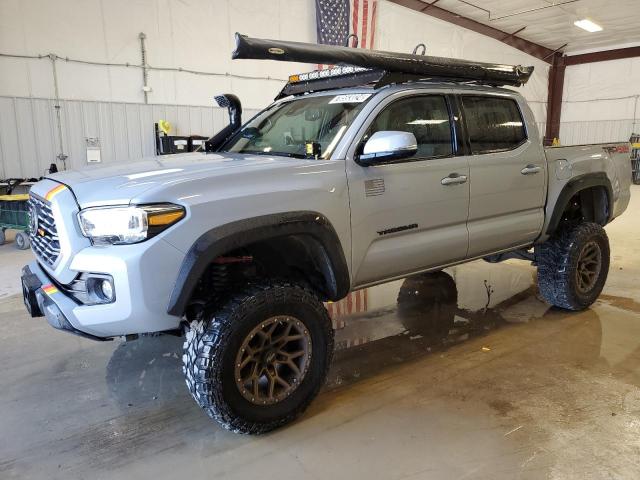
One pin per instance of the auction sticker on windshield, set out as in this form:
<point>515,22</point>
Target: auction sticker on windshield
<point>350,98</point>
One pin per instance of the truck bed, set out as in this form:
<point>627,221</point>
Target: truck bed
<point>571,162</point>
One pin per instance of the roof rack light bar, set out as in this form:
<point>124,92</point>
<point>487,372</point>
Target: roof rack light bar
<point>329,79</point>
<point>338,71</point>
<point>420,65</point>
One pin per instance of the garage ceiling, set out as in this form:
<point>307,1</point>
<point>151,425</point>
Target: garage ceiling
<point>550,23</point>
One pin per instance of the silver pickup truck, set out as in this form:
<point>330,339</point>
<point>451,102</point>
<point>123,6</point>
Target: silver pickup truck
<point>325,191</point>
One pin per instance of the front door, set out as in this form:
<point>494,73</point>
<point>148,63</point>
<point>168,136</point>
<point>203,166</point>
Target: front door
<point>411,215</point>
<point>507,173</point>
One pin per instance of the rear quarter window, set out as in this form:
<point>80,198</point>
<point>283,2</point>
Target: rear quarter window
<point>494,124</point>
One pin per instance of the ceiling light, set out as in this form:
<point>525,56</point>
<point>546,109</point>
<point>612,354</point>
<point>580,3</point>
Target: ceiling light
<point>587,25</point>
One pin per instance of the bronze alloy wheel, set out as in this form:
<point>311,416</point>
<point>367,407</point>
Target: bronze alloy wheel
<point>248,363</point>
<point>573,265</point>
<point>273,360</point>
<point>588,268</point>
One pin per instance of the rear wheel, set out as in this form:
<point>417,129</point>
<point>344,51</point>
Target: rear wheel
<point>257,362</point>
<point>573,266</point>
<point>3,237</point>
<point>22,241</point>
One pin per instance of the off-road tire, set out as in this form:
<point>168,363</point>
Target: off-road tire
<point>22,241</point>
<point>3,236</point>
<point>212,343</point>
<point>557,260</point>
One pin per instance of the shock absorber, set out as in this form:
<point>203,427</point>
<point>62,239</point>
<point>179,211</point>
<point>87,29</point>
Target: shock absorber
<point>220,280</point>
<point>221,273</point>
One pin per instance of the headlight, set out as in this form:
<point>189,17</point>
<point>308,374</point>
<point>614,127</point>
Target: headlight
<point>123,225</point>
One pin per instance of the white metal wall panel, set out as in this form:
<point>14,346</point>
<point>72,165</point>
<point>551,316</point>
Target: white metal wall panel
<point>45,131</point>
<point>120,132</point>
<point>184,120</point>
<point>25,130</point>
<point>74,135</point>
<point>145,113</point>
<point>600,131</point>
<point>105,132</point>
<point>135,138</point>
<point>11,165</point>
<point>29,135</point>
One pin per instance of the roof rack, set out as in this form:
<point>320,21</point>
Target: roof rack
<point>372,66</point>
<point>348,76</point>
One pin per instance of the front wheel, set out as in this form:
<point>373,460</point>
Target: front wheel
<point>257,362</point>
<point>573,266</point>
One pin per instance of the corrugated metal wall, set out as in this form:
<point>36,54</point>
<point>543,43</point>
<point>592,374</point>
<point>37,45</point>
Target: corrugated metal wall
<point>598,131</point>
<point>29,139</point>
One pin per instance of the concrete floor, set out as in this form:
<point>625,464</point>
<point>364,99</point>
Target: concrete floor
<point>11,262</point>
<point>492,385</point>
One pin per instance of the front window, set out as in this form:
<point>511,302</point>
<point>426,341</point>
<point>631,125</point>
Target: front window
<point>301,128</point>
<point>426,116</point>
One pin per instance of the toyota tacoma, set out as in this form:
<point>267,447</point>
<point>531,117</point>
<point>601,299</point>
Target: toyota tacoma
<point>384,166</point>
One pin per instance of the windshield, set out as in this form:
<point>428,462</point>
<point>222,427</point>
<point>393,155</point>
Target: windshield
<point>303,128</point>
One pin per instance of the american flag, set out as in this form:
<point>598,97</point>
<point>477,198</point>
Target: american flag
<point>336,19</point>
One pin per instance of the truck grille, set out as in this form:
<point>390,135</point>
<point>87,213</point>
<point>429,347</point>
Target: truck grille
<point>43,232</point>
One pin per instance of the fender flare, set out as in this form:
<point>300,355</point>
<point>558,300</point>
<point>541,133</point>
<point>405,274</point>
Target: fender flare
<point>575,185</point>
<point>231,236</point>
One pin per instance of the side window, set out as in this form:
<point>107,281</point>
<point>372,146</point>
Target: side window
<point>427,117</point>
<point>494,124</point>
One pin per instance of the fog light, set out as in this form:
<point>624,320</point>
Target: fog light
<point>105,290</point>
<point>100,290</point>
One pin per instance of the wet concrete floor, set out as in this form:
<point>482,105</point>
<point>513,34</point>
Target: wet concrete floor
<point>458,374</point>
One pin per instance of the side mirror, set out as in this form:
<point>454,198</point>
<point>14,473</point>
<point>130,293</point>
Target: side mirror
<point>386,147</point>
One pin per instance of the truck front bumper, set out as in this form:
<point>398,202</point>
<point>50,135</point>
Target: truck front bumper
<point>142,277</point>
<point>42,298</point>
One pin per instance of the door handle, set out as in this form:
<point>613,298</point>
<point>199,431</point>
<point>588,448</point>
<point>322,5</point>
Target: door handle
<point>454,179</point>
<point>530,169</point>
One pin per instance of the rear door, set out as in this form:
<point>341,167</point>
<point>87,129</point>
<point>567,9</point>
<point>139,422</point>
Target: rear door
<point>507,173</point>
<point>409,215</point>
